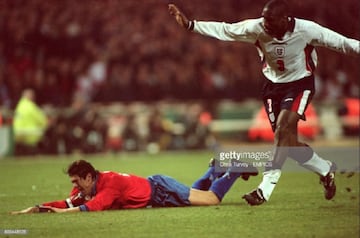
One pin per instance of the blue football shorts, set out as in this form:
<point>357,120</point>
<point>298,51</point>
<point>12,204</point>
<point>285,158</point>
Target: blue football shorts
<point>167,192</point>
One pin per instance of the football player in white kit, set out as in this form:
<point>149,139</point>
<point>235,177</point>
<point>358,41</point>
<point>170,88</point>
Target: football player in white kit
<point>286,46</point>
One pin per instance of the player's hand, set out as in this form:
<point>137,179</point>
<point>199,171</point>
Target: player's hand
<point>26,211</point>
<point>180,18</point>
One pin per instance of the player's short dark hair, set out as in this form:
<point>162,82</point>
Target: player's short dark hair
<point>81,168</point>
<point>278,7</point>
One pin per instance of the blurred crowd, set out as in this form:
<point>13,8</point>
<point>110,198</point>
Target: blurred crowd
<point>74,53</point>
<point>110,50</point>
<point>94,128</point>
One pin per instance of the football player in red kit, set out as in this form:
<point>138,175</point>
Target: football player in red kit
<point>97,191</point>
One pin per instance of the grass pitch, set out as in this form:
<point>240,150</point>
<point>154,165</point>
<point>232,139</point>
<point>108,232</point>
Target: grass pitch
<point>296,209</point>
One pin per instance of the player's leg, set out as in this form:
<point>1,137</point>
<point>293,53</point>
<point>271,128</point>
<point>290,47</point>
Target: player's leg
<point>305,156</point>
<point>168,192</point>
<point>216,192</point>
<point>284,125</point>
<point>203,198</point>
<point>204,182</point>
<point>285,137</point>
<point>285,104</point>
<point>215,171</point>
<point>303,153</point>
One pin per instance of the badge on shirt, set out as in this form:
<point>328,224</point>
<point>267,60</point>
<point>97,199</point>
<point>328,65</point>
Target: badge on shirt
<point>280,51</point>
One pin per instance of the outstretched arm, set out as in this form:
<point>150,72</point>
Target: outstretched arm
<point>41,209</point>
<point>245,31</point>
<point>26,211</point>
<point>68,205</point>
<point>61,210</point>
<point>180,17</point>
<point>325,37</point>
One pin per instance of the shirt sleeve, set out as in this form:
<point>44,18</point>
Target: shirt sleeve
<point>75,199</point>
<point>245,31</point>
<point>322,36</point>
<point>57,204</point>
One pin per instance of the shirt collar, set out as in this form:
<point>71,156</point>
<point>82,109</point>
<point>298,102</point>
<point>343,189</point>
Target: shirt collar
<point>292,24</point>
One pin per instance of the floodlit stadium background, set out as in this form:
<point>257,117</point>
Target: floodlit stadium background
<point>121,75</point>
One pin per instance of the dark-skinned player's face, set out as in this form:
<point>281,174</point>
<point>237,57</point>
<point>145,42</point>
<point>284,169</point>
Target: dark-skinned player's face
<point>275,23</point>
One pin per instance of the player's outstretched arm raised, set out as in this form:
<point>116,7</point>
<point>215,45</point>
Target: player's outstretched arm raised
<point>180,17</point>
<point>245,31</point>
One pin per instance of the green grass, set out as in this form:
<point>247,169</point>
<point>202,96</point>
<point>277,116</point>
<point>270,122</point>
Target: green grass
<point>297,207</point>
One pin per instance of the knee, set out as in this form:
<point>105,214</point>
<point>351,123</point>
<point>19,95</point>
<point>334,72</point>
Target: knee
<point>212,199</point>
<point>203,198</point>
<point>282,131</point>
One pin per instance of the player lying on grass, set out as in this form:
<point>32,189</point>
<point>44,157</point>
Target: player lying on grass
<point>286,46</point>
<point>96,191</point>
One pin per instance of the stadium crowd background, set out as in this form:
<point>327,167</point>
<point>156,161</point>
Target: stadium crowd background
<point>79,52</point>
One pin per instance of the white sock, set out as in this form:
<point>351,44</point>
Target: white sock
<point>318,165</point>
<point>270,179</point>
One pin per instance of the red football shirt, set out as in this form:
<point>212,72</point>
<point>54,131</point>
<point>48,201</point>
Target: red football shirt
<point>112,191</point>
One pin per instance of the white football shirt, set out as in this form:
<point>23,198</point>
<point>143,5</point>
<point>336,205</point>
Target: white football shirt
<point>286,60</point>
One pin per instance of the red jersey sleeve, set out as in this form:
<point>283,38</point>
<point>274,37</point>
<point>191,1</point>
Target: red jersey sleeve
<point>76,199</point>
<point>58,204</point>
